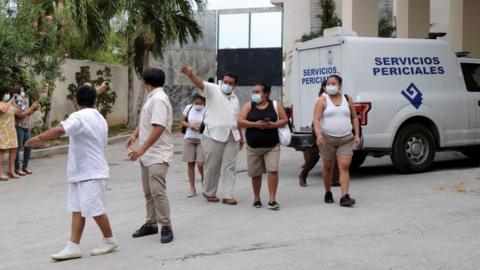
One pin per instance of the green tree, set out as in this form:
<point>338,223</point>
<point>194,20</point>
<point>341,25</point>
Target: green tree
<point>328,19</point>
<point>386,28</point>
<point>150,28</point>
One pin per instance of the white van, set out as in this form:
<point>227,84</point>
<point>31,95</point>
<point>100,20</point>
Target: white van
<point>414,96</point>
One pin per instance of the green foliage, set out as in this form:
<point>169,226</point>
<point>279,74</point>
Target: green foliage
<point>328,19</point>
<point>106,100</point>
<point>386,27</point>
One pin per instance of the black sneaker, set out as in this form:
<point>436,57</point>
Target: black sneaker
<point>146,229</point>
<point>166,235</point>
<point>257,204</point>
<point>328,197</point>
<point>273,205</point>
<point>347,201</point>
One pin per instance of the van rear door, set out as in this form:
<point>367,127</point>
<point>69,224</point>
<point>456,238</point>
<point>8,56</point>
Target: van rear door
<point>314,64</point>
<point>471,75</point>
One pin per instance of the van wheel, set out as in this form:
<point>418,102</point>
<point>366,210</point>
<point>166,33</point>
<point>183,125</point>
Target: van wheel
<point>413,149</point>
<point>358,158</point>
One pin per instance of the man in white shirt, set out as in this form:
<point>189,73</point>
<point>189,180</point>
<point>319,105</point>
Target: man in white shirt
<point>222,139</point>
<point>87,171</point>
<point>155,152</point>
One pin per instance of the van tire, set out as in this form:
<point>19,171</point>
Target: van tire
<point>413,149</point>
<point>358,158</point>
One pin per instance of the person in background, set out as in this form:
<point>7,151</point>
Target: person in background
<point>334,116</point>
<point>262,117</point>
<point>222,138</point>
<point>211,80</point>
<point>22,126</point>
<point>8,135</point>
<point>192,120</point>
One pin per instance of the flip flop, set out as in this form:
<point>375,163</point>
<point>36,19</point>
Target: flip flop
<point>28,171</point>
<point>13,175</point>
<point>20,172</point>
<point>4,178</point>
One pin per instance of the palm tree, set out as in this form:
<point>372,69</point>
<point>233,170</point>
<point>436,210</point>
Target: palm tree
<point>88,18</point>
<point>151,27</point>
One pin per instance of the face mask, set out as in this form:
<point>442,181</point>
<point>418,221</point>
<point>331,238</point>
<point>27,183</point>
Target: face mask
<point>199,107</point>
<point>19,97</point>
<point>22,94</point>
<point>257,98</point>
<point>6,97</point>
<point>331,89</point>
<point>226,89</point>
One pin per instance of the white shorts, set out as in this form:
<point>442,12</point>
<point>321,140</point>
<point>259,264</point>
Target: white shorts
<point>87,197</point>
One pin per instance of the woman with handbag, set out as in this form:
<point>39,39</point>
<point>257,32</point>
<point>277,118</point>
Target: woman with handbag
<point>262,119</point>
<point>192,127</point>
<point>334,119</point>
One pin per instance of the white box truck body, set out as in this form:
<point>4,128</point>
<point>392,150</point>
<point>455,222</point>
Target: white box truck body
<point>414,96</point>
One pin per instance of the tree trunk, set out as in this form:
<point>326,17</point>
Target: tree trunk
<point>130,117</point>
<point>141,92</point>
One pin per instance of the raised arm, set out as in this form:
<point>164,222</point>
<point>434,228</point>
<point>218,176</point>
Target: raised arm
<point>197,81</point>
<point>22,114</point>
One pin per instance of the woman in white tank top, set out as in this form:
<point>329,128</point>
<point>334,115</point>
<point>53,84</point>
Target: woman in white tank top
<point>334,118</point>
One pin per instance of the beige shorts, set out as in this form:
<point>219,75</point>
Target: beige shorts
<point>192,151</point>
<point>336,146</point>
<point>262,160</point>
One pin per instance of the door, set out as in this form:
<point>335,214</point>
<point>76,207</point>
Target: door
<point>471,75</point>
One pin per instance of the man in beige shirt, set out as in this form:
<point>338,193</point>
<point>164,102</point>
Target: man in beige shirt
<point>222,139</point>
<point>155,152</point>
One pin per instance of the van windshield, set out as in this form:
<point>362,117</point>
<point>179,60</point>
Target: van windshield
<point>471,74</point>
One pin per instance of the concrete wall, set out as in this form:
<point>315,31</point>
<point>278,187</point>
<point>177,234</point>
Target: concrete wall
<point>61,106</point>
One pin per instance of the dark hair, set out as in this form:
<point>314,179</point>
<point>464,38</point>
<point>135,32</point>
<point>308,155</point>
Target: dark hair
<point>322,88</point>
<point>86,95</point>
<point>154,76</point>
<point>336,77</point>
<point>197,95</point>
<point>266,89</point>
<point>231,75</point>
<point>211,80</point>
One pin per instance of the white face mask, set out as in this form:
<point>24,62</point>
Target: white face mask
<point>257,98</point>
<point>331,90</point>
<point>6,97</point>
<point>22,94</point>
<point>226,89</point>
<point>199,107</point>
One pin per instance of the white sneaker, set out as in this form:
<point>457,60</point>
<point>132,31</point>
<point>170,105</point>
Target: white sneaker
<point>108,245</point>
<point>71,251</point>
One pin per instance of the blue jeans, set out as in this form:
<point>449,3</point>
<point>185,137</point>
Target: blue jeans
<point>23,135</point>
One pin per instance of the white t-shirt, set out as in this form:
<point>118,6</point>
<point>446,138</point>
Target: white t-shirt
<point>88,132</point>
<point>157,110</point>
<point>221,113</point>
<point>194,117</point>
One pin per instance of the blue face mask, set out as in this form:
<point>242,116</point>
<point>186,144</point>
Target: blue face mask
<point>257,98</point>
<point>226,89</point>
<point>6,97</point>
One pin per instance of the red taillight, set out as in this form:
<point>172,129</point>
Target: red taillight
<point>362,109</point>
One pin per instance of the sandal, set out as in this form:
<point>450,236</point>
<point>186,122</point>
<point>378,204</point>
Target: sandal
<point>28,171</point>
<point>20,172</point>
<point>4,178</point>
<point>192,194</point>
<point>13,175</point>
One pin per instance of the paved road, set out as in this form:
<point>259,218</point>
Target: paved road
<point>422,221</point>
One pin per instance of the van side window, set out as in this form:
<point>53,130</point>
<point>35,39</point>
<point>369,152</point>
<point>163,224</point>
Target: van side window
<point>471,74</point>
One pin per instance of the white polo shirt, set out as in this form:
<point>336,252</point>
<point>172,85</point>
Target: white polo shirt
<point>88,132</point>
<point>221,113</point>
<point>156,110</point>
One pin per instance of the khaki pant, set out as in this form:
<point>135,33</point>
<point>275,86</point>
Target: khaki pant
<point>155,189</point>
<point>220,157</point>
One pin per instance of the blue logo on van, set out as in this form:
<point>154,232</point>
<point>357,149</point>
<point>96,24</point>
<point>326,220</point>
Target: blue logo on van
<point>413,95</point>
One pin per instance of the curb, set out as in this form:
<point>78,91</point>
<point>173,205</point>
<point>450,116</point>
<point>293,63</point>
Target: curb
<point>62,149</point>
